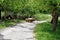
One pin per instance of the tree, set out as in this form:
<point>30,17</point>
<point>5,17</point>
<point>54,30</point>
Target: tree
<point>13,5</point>
<point>54,15</point>
<point>52,6</point>
<point>1,1</point>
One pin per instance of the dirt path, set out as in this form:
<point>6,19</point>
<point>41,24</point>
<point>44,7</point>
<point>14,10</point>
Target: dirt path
<point>22,31</point>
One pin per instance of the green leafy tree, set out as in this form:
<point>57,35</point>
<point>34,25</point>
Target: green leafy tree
<point>14,5</point>
<point>53,6</point>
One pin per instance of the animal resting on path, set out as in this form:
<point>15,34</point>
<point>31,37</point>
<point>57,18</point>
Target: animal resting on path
<point>30,19</point>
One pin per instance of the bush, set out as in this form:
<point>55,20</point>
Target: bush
<point>41,16</point>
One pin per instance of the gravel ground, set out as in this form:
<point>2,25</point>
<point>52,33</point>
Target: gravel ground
<point>22,31</point>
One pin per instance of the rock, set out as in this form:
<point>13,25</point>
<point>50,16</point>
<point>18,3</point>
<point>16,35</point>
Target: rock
<point>30,19</point>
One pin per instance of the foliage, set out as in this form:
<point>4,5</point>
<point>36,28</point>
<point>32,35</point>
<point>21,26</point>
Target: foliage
<point>13,5</point>
<point>28,8</point>
<point>7,23</point>
<point>1,1</point>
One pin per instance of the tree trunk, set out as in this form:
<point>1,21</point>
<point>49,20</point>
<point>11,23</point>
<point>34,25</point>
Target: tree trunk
<point>0,14</point>
<point>54,21</point>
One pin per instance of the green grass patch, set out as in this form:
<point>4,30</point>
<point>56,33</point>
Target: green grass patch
<point>44,32</point>
<point>42,16</point>
<point>7,23</point>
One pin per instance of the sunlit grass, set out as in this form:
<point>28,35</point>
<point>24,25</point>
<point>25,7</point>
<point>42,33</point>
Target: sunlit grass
<point>7,23</point>
<point>44,32</point>
<point>42,16</point>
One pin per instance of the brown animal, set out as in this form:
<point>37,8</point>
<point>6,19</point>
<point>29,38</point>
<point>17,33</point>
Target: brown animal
<point>30,19</point>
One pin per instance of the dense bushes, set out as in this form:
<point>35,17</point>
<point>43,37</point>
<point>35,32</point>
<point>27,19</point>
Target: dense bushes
<point>27,8</point>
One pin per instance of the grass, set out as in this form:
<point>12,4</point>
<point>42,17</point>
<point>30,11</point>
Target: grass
<point>44,32</point>
<point>7,23</point>
<point>42,16</point>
